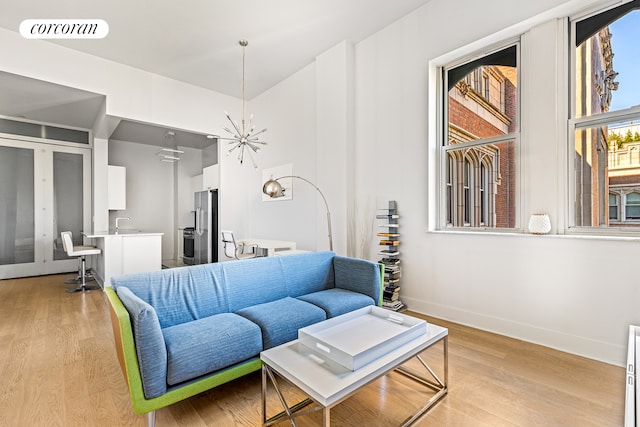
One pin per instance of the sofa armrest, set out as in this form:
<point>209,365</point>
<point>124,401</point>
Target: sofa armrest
<point>359,275</point>
<point>128,358</point>
<point>141,350</point>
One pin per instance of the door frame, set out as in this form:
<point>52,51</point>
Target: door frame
<point>44,214</point>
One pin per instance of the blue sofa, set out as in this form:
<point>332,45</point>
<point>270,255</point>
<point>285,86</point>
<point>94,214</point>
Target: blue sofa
<point>182,331</point>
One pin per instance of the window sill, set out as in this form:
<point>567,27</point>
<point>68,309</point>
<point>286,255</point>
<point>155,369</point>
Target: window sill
<point>578,235</point>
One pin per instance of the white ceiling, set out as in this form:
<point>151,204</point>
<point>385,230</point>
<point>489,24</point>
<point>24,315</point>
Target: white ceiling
<point>196,41</point>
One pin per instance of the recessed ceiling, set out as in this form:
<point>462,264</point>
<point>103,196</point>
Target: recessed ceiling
<point>143,133</point>
<point>197,41</point>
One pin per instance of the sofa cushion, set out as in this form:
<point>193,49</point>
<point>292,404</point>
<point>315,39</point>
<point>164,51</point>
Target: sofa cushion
<point>253,281</point>
<point>308,272</point>
<point>281,319</point>
<point>337,301</point>
<point>206,345</point>
<point>179,295</point>
<point>152,355</point>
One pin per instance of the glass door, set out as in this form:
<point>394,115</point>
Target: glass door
<point>17,211</point>
<point>44,189</point>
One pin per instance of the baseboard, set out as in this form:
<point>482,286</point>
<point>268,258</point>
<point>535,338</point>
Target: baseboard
<point>581,346</point>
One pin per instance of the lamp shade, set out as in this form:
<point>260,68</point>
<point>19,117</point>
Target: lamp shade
<point>539,224</point>
<point>272,188</point>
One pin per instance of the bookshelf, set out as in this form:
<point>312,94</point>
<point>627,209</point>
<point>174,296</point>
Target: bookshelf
<point>389,241</point>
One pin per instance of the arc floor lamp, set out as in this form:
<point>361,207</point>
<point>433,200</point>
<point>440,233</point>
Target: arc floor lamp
<point>273,189</point>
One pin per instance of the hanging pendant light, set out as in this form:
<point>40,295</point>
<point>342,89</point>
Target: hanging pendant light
<point>169,152</point>
<point>243,136</point>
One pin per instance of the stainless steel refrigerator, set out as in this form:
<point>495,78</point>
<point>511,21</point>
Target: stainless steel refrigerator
<point>205,247</point>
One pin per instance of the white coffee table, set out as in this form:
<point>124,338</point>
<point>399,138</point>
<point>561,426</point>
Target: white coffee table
<point>328,383</point>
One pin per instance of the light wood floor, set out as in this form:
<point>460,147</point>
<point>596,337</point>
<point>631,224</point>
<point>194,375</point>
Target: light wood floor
<point>58,367</point>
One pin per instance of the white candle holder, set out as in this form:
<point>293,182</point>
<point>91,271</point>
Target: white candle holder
<point>539,224</point>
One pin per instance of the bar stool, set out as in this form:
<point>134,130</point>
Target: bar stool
<point>81,252</point>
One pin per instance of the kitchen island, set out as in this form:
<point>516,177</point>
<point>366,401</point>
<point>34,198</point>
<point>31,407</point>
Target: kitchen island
<point>125,252</point>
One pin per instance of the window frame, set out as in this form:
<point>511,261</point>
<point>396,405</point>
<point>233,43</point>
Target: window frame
<point>584,122</point>
<point>445,166</point>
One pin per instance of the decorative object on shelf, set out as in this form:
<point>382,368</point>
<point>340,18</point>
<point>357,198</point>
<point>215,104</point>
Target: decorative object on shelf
<point>389,242</point>
<point>273,189</point>
<point>243,136</point>
<point>539,224</point>
<point>169,152</point>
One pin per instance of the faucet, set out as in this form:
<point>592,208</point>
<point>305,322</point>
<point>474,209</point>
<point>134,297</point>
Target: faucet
<point>118,220</point>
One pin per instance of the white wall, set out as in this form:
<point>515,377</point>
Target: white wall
<point>559,291</point>
<point>311,127</point>
<point>334,135</point>
<point>150,191</point>
<point>288,111</point>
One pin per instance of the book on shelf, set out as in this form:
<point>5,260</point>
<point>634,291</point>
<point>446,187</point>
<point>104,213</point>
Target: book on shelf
<point>390,292</point>
<point>388,234</point>
<point>385,216</point>
<point>393,305</point>
<point>389,225</point>
<point>390,261</point>
<point>389,252</point>
<point>390,242</point>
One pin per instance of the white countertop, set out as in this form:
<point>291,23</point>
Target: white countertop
<point>121,232</point>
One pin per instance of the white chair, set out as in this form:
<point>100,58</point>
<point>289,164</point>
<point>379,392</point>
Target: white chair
<point>237,251</point>
<point>81,252</point>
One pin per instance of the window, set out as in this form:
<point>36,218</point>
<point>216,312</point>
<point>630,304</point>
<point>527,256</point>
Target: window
<point>481,133</point>
<point>632,206</point>
<point>614,203</point>
<point>605,141</point>
<point>487,87</point>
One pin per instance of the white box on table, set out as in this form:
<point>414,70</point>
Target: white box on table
<point>361,336</point>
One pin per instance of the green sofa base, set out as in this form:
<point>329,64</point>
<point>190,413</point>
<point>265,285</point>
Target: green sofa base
<point>125,348</point>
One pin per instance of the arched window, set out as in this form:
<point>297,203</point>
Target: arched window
<point>467,185</point>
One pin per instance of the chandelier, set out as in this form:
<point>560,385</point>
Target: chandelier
<point>243,136</point>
